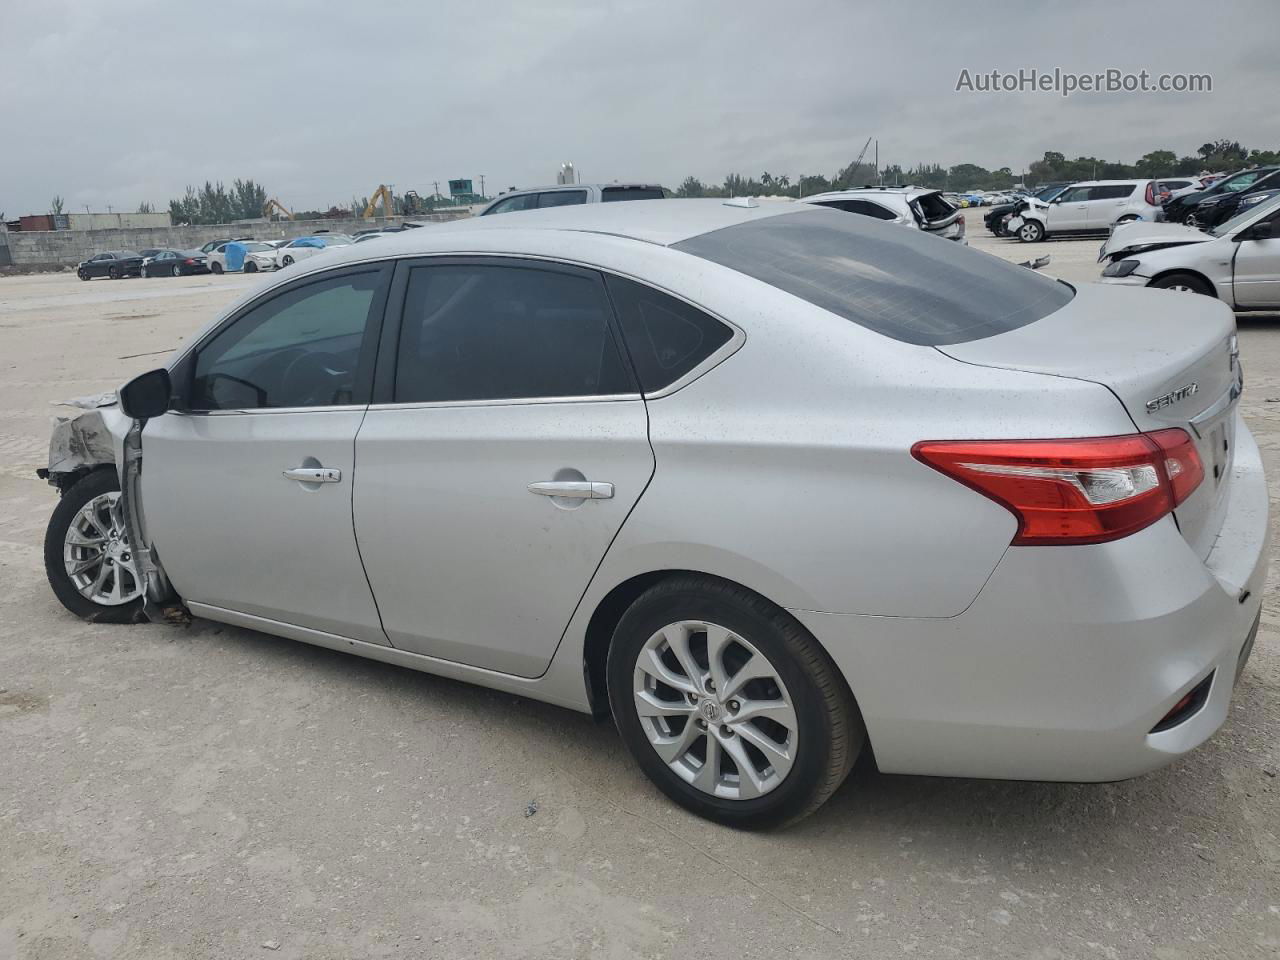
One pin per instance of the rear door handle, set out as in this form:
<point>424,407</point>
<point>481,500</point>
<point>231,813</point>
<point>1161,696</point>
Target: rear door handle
<point>314,474</point>
<point>573,489</point>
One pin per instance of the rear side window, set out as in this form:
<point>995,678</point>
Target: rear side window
<point>612,194</point>
<point>905,284</point>
<point>864,207</point>
<point>499,332</point>
<point>665,337</point>
<point>1111,191</point>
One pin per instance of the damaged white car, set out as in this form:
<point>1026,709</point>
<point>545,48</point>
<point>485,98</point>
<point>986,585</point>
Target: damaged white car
<point>1237,261</point>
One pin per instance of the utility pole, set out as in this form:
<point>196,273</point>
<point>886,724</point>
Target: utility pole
<point>482,185</point>
<point>878,180</point>
<point>435,187</point>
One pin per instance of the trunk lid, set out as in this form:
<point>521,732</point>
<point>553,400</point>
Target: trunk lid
<point>1168,357</point>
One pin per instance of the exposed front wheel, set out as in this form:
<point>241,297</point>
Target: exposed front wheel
<point>288,260</point>
<point>1184,282</point>
<point>1031,232</point>
<point>250,267</point>
<point>215,267</point>
<point>87,555</point>
<point>729,705</point>
<point>82,274</point>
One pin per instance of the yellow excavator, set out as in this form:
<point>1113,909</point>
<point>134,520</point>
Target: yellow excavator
<point>274,207</point>
<point>383,193</point>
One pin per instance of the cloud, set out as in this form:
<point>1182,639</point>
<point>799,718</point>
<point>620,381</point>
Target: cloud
<point>321,101</point>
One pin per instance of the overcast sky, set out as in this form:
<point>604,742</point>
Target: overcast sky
<point>320,100</point>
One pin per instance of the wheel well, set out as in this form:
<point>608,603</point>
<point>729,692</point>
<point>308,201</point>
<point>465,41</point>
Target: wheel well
<point>1213,290</point>
<point>608,612</point>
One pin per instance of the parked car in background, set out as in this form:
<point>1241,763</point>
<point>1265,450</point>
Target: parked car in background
<point>570,195</point>
<point>1218,208</point>
<point>917,207</point>
<point>1091,207</point>
<point>208,248</point>
<point>769,483</point>
<point>302,247</point>
<point>174,263</point>
<point>1237,261</point>
<point>113,264</point>
<point>248,256</point>
<point>1183,209</point>
<point>997,217</point>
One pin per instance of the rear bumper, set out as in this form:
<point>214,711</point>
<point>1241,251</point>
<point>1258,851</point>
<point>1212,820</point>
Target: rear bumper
<point>1069,656</point>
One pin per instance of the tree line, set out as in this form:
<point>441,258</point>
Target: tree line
<point>1217,156</point>
<point>245,199</point>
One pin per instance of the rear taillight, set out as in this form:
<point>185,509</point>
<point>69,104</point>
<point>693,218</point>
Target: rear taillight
<point>188,261</point>
<point>1087,490</point>
<point>1150,196</point>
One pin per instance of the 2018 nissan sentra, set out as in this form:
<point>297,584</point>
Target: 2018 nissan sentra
<point>771,484</point>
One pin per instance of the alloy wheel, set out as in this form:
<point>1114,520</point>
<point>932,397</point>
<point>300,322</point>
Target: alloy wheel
<point>97,555</point>
<point>177,270</point>
<point>715,710</point>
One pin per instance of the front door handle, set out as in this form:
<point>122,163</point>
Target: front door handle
<point>314,474</point>
<point>573,489</point>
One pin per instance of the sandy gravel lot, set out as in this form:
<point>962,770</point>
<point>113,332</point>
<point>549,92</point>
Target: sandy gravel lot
<point>209,792</point>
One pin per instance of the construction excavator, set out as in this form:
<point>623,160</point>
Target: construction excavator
<point>273,208</point>
<point>383,193</point>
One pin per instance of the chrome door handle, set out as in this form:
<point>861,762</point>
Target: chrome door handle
<point>314,474</point>
<point>573,489</point>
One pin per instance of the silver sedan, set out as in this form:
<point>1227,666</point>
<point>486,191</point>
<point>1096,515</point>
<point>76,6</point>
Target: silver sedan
<point>770,484</point>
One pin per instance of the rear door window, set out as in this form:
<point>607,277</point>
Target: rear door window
<point>561,198</point>
<point>666,337</point>
<point>506,332</point>
<point>864,207</point>
<point>523,201</point>
<point>613,194</point>
<point>903,284</point>
<point>1111,191</point>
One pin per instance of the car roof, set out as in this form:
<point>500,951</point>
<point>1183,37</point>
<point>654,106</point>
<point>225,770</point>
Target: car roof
<point>579,186</point>
<point>663,222</point>
<point>907,191</point>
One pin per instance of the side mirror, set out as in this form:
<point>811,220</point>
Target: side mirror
<point>146,395</point>
<point>1259,231</point>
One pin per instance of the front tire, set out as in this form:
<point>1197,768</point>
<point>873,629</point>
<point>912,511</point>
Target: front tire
<point>1031,232</point>
<point>82,274</point>
<point>288,260</point>
<point>729,705</point>
<point>215,267</point>
<point>87,555</point>
<point>250,267</point>
<point>1184,282</point>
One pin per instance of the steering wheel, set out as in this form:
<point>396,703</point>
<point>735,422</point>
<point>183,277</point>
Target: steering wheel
<point>314,379</point>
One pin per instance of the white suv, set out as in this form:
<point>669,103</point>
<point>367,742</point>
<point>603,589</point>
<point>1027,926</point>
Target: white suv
<point>1092,207</point>
<point>917,207</point>
<point>567,195</point>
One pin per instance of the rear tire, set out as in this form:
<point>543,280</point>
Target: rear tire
<point>1031,232</point>
<point>68,546</point>
<point>177,270</point>
<point>805,731</point>
<point>114,273</point>
<point>1184,282</point>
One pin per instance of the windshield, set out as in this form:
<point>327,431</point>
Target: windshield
<point>257,247</point>
<point>904,284</point>
<point>1048,193</point>
<point>336,241</point>
<point>1228,227</point>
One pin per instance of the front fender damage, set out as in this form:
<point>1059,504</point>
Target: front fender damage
<point>102,437</point>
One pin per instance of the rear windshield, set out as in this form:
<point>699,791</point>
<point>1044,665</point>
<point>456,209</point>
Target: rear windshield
<point>900,282</point>
<point>630,193</point>
<point>933,207</point>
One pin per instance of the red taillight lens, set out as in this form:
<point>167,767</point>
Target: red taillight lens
<point>188,261</point>
<point>1074,491</point>
<point>1151,194</point>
